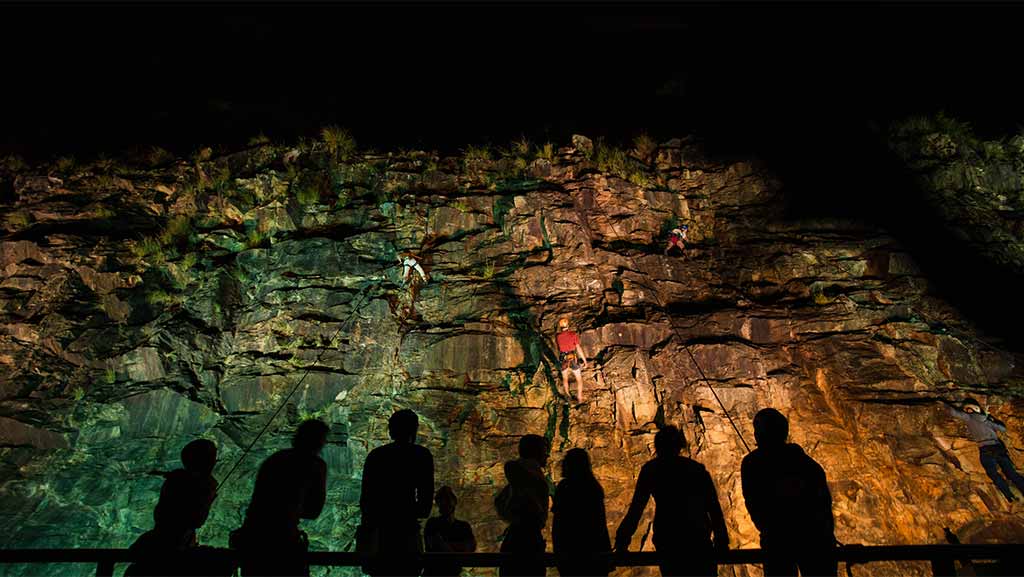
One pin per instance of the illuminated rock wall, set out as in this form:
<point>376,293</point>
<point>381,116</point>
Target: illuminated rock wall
<point>146,305</point>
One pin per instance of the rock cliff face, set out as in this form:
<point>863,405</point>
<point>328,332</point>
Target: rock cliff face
<point>144,306</point>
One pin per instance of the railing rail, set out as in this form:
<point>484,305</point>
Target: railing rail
<point>941,556</point>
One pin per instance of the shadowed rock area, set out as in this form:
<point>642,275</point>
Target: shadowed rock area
<point>153,300</point>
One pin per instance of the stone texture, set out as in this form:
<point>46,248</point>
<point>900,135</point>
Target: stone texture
<point>123,337</point>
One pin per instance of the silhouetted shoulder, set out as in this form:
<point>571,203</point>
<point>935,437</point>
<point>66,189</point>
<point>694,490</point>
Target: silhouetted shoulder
<point>693,467</point>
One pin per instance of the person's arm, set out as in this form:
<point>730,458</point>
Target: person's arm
<point>425,485</point>
<point>433,540</point>
<point>955,412</point>
<point>641,494</point>
<point>752,493</point>
<point>996,423</point>
<point>316,493</point>
<point>604,543</point>
<point>718,528</point>
<point>206,501</point>
<point>579,351</point>
<point>826,500</point>
<point>557,510</point>
<point>367,497</point>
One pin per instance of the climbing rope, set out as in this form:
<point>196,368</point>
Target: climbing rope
<point>355,308</point>
<point>679,336</point>
<point>266,426</point>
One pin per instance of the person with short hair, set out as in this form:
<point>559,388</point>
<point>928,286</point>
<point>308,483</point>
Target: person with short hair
<point>789,501</point>
<point>524,504</point>
<point>398,483</point>
<point>984,429</point>
<point>687,513</point>
<point>171,547</point>
<point>571,356</point>
<point>291,485</point>
<point>446,534</point>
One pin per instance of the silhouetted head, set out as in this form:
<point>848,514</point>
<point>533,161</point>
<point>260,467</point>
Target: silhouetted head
<point>199,456</point>
<point>402,426</point>
<point>534,447</point>
<point>668,441</point>
<point>770,428</point>
<point>971,406</point>
<point>446,501</point>
<point>563,323</point>
<point>576,465</point>
<point>311,436</point>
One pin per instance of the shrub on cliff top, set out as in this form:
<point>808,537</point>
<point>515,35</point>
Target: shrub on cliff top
<point>546,152</point>
<point>13,163</point>
<point>259,140</point>
<point>338,141</point>
<point>616,161</point>
<point>644,147</point>
<point>157,156</point>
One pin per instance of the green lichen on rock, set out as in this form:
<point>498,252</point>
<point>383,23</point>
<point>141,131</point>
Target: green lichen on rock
<point>977,185</point>
<point>231,280</point>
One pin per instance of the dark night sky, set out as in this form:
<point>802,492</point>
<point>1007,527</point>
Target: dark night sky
<point>86,77</point>
<point>798,85</point>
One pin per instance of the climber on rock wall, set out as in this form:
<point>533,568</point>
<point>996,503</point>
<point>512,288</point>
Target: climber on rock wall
<point>409,262</point>
<point>572,358</point>
<point>984,429</point>
<point>677,238</point>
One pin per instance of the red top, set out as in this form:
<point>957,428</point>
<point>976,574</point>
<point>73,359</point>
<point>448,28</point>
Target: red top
<point>567,341</point>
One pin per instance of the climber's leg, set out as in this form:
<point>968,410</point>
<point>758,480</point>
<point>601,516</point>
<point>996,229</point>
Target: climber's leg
<point>405,274</point>
<point>990,461</point>
<point>419,269</point>
<point>565,382</point>
<point>1009,471</point>
<point>579,384</point>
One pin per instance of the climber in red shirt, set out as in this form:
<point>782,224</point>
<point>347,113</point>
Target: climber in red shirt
<point>677,239</point>
<point>571,355</point>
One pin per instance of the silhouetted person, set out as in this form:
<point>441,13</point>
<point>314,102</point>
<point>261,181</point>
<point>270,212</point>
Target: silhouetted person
<point>578,524</point>
<point>446,534</point>
<point>398,483</point>
<point>291,485</point>
<point>984,430</point>
<point>184,505</point>
<point>524,504</point>
<point>789,501</point>
<point>686,512</point>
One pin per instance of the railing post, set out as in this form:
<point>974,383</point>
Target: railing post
<point>105,568</point>
<point>943,567</point>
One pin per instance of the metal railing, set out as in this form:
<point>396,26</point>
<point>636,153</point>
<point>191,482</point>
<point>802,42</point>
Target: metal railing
<point>941,557</point>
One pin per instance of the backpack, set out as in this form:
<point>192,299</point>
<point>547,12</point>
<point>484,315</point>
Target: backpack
<point>508,503</point>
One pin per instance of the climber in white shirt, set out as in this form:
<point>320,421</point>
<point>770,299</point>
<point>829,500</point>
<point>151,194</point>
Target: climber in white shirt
<point>409,261</point>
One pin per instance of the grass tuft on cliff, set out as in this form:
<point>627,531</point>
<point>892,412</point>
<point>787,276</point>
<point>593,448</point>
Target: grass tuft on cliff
<point>338,142</point>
